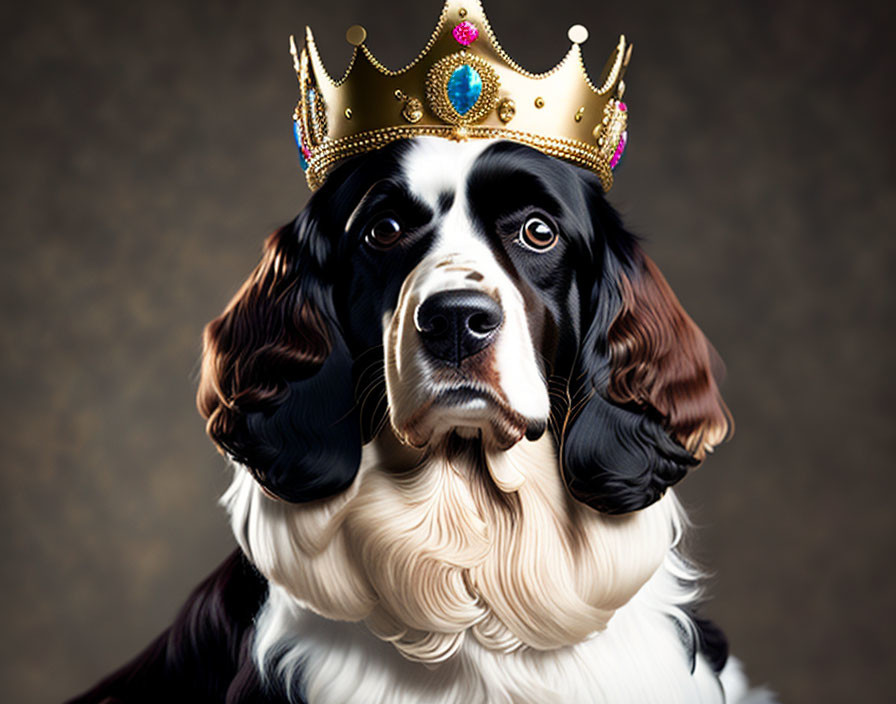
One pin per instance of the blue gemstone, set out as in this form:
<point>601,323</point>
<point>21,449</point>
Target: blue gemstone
<point>297,132</point>
<point>464,88</point>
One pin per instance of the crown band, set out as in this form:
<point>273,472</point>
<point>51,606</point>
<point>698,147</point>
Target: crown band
<point>334,151</point>
<point>462,86</point>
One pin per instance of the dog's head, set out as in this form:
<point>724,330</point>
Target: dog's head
<point>469,289</point>
<point>440,300</point>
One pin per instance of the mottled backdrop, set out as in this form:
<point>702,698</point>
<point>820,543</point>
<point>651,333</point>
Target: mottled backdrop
<point>146,152</point>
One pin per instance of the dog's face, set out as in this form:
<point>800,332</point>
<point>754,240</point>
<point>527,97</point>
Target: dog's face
<point>477,300</point>
<point>468,288</point>
<point>467,342</point>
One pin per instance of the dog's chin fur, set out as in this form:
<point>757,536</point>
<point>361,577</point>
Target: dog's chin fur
<point>431,549</point>
<point>489,581</point>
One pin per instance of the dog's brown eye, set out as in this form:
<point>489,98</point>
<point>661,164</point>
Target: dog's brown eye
<point>537,234</point>
<point>384,233</point>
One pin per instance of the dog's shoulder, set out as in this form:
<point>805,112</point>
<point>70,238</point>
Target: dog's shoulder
<point>204,656</point>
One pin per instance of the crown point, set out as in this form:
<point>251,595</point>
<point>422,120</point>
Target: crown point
<point>577,34</point>
<point>294,52</point>
<point>355,35</point>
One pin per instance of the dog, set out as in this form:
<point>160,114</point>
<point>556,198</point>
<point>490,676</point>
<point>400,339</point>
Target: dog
<point>456,394</point>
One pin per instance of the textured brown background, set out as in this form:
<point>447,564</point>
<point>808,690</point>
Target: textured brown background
<point>146,151</point>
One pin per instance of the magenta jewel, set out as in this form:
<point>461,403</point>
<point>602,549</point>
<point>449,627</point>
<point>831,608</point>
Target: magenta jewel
<point>620,148</point>
<point>465,33</point>
<point>623,106</point>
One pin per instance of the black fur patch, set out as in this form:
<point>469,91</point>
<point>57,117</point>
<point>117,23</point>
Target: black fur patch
<point>712,642</point>
<point>706,638</point>
<point>203,657</point>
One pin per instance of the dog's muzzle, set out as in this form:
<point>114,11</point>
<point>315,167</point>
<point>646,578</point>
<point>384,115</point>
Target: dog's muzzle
<point>457,324</point>
<point>459,357</point>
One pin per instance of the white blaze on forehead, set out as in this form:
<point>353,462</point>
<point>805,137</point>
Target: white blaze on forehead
<point>434,166</point>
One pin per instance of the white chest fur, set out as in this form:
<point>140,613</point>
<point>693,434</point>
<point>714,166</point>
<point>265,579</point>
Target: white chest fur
<point>530,599</point>
<point>639,658</point>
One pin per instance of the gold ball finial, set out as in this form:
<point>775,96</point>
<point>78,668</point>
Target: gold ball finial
<point>577,34</point>
<point>355,35</point>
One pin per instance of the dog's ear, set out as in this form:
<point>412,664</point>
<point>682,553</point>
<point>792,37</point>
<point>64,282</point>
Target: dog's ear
<point>662,363</point>
<point>645,406</point>
<point>276,385</point>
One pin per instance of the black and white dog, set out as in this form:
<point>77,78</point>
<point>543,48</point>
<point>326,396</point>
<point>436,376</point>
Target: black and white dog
<point>456,393</point>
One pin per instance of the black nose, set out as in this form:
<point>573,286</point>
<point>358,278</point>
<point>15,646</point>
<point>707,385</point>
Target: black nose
<point>457,324</point>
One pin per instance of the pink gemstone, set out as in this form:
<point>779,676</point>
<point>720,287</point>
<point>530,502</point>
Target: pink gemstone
<point>306,152</point>
<point>465,33</point>
<point>623,138</point>
<point>623,106</point>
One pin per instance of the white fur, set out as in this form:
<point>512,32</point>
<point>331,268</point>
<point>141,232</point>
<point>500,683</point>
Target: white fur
<point>425,552</point>
<point>639,657</point>
<point>434,166</point>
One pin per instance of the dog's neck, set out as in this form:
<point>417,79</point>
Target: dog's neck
<point>461,552</point>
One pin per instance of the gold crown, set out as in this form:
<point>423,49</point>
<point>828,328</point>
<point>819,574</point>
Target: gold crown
<point>463,85</point>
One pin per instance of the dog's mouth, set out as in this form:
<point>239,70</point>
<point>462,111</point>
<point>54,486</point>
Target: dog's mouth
<point>468,409</point>
<point>466,396</point>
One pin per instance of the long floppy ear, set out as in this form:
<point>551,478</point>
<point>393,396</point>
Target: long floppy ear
<point>661,361</point>
<point>276,385</point>
<point>645,405</point>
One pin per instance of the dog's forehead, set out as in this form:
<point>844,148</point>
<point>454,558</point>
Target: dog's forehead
<point>436,171</point>
<point>434,167</point>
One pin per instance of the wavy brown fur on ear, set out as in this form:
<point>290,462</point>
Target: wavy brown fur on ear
<point>661,360</point>
<point>265,336</point>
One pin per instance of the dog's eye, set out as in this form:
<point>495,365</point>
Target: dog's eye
<point>383,233</point>
<point>537,234</point>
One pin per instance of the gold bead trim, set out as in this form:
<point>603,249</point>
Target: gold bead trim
<point>326,156</point>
